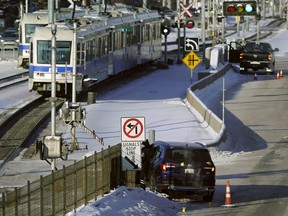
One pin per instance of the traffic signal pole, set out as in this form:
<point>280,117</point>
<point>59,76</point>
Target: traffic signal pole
<point>165,54</point>
<point>178,36</point>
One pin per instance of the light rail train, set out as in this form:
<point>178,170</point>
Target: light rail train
<point>28,23</point>
<point>104,46</point>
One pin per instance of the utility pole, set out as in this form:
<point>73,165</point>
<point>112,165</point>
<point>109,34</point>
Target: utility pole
<point>203,25</point>
<point>53,97</point>
<point>223,100</point>
<point>73,129</point>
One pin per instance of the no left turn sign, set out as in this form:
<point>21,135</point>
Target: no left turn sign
<point>133,129</point>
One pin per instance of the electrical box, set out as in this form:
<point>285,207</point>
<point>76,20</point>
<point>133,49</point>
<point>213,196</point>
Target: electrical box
<point>69,109</point>
<point>52,147</point>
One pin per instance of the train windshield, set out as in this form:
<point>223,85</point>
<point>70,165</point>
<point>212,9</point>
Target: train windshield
<point>29,30</point>
<point>63,52</point>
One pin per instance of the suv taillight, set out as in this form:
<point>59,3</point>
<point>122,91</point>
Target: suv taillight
<point>241,55</point>
<point>210,168</point>
<point>167,167</point>
<point>269,57</point>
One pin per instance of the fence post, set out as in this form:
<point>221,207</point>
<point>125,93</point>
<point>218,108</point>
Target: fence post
<point>3,203</point>
<point>85,180</point>
<point>64,189</point>
<point>41,196</point>
<point>16,200</point>
<point>95,175</point>
<point>52,192</point>
<point>75,186</point>
<point>110,169</point>
<point>28,199</point>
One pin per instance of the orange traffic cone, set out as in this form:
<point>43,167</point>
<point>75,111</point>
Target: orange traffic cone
<point>228,200</point>
<point>255,76</point>
<point>281,73</point>
<point>277,75</point>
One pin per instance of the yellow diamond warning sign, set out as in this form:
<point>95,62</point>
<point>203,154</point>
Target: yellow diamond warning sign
<point>191,60</point>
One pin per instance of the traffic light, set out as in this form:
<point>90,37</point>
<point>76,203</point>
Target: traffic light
<point>189,23</point>
<point>165,27</point>
<point>239,8</point>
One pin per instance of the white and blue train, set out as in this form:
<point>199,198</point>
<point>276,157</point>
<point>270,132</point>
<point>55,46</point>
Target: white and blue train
<point>28,23</point>
<point>105,47</point>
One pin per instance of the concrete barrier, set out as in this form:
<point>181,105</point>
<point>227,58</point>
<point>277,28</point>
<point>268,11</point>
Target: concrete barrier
<point>208,116</point>
<point>216,57</point>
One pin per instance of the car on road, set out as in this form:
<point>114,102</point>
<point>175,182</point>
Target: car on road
<point>180,169</point>
<point>9,38</point>
<point>251,55</point>
<point>257,56</point>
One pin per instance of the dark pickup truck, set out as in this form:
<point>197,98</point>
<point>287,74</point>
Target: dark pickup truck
<point>255,56</point>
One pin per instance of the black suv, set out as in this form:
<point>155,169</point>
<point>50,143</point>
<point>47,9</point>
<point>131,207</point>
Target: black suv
<point>257,56</point>
<point>183,168</point>
<point>253,55</point>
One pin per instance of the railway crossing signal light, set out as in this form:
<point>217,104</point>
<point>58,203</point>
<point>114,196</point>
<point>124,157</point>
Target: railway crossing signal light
<point>190,23</point>
<point>239,8</point>
<point>165,27</point>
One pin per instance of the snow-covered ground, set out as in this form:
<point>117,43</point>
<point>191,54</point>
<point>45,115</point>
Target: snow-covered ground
<point>164,93</point>
<point>134,201</point>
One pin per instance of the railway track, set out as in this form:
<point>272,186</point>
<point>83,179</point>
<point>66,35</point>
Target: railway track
<point>18,128</point>
<point>13,79</point>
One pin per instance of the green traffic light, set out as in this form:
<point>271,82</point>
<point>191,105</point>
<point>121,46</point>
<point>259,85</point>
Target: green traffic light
<point>248,8</point>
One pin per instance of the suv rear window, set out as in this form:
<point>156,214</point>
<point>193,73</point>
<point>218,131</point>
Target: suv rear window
<point>257,46</point>
<point>187,155</point>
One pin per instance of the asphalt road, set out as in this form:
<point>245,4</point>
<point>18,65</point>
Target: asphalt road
<point>257,122</point>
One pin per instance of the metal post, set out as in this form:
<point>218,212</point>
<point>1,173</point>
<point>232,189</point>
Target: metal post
<point>287,16</point>
<point>53,98</point>
<point>223,101</point>
<point>152,136</point>
<point>223,28</point>
<point>165,52</point>
<point>203,25</point>
<point>184,36</point>
<point>238,25</point>
<point>214,23</point>
<point>178,36</point>
<point>73,129</point>
<point>258,30</point>
<point>26,6</point>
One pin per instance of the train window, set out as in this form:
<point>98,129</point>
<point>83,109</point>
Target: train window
<point>106,45</point>
<point>80,53</point>
<point>29,30</point>
<point>118,41</point>
<point>63,52</point>
<point>44,51</point>
<point>89,51</point>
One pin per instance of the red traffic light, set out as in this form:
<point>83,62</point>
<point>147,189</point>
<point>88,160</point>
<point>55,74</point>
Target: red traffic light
<point>230,9</point>
<point>190,24</point>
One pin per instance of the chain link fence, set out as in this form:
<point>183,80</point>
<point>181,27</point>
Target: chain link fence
<point>65,190</point>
